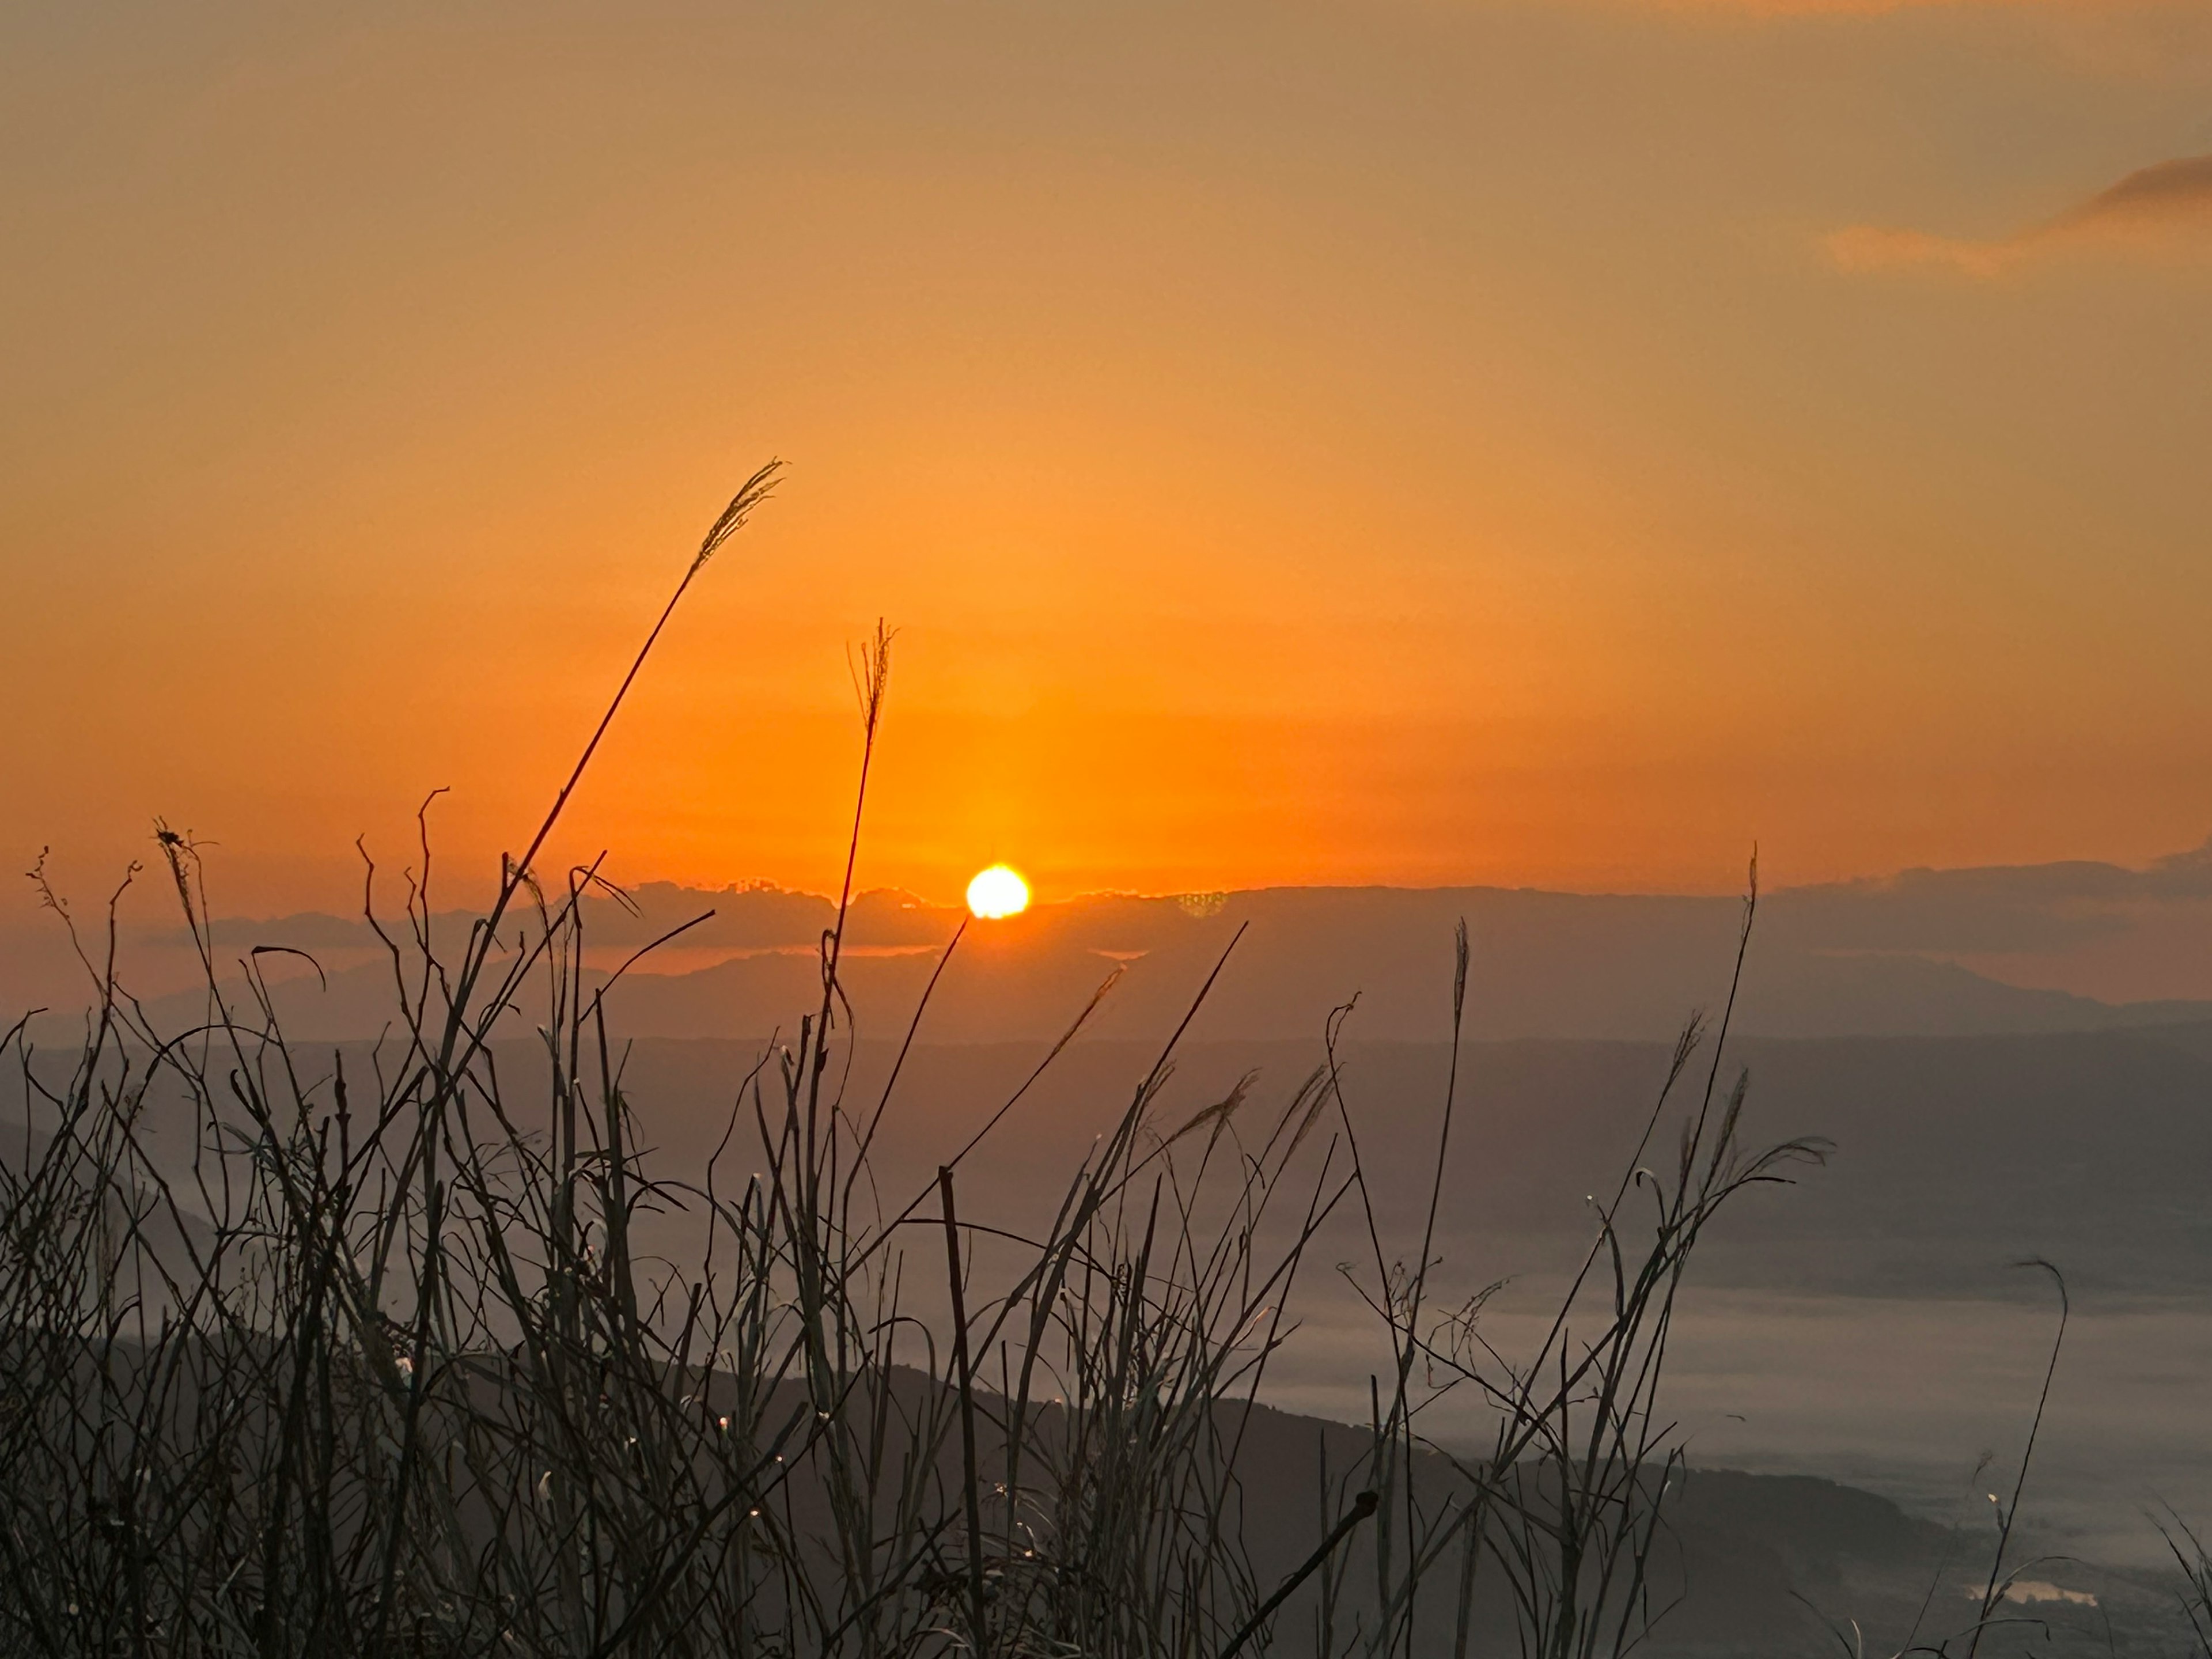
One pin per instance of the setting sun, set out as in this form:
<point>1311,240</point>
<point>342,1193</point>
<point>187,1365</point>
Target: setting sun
<point>998,891</point>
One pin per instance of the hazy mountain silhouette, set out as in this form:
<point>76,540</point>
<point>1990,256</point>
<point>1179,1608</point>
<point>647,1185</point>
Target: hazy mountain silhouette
<point>1859,958</point>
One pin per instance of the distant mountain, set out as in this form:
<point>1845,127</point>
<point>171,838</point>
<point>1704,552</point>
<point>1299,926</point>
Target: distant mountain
<point>1862,959</point>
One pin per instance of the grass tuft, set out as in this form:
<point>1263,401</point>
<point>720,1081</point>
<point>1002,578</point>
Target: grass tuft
<point>378,1366</point>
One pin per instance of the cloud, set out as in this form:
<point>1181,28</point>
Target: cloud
<point>1880,247</point>
<point>2163,209</point>
<point>1991,909</point>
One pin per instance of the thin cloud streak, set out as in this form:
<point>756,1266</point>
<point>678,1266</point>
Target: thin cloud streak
<point>2162,209</point>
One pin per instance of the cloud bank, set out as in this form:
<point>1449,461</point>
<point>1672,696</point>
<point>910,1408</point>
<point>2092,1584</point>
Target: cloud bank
<point>2164,209</point>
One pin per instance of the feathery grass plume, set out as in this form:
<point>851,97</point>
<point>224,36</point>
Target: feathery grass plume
<point>755,491</point>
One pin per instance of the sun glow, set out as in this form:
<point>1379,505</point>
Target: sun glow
<point>998,891</point>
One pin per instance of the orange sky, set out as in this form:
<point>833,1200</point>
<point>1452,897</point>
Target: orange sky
<point>1413,442</point>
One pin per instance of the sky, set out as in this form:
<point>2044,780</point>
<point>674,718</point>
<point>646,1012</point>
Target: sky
<point>1420,442</point>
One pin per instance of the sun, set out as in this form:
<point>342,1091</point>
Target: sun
<point>998,891</point>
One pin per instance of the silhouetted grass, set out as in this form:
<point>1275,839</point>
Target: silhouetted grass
<point>381,1368</point>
